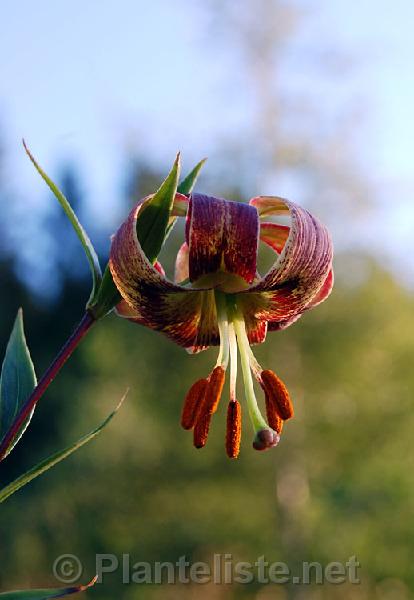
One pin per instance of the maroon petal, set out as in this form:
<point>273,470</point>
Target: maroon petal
<point>180,206</point>
<point>274,235</point>
<point>187,316</point>
<point>280,325</point>
<point>222,236</point>
<point>270,206</point>
<point>124,310</point>
<point>181,264</point>
<point>324,292</point>
<point>256,328</point>
<point>300,271</point>
<point>159,267</point>
<point>320,297</point>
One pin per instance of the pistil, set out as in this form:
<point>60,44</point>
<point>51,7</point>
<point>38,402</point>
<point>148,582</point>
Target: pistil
<point>264,436</point>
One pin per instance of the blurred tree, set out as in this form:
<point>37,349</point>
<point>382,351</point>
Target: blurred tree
<point>298,136</point>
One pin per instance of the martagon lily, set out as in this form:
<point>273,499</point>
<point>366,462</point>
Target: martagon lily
<point>218,298</point>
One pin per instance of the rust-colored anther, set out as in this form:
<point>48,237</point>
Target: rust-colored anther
<point>214,390</point>
<point>201,430</point>
<point>278,394</point>
<point>273,419</point>
<point>233,432</point>
<point>209,406</point>
<point>193,400</point>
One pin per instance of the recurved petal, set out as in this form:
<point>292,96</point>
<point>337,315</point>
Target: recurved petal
<point>221,235</point>
<point>299,272</point>
<point>280,325</point>
<point>324,292</point>
<point>180,206</point>
<point>181,264</point>
<point>256,328</point>
<point>124,310</point>
<point>129,266</point>
<point>270,205</point>
<point>185,315</point>
<point>320,297</point>
<point>274,235</point>
<point>159,268</point>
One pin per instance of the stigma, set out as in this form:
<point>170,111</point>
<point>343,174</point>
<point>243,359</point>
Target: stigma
<point>203,398</point>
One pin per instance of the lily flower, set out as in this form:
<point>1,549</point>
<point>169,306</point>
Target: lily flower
<point>218,298</point>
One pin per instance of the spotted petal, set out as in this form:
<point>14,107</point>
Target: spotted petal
<point>322,295</point>
<point>185,315</point>
<point>222,236</point>
<point>301,269</point>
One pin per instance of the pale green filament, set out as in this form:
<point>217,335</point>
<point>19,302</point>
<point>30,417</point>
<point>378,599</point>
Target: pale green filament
<point>233,362</point>
<point>254,365</point>
<point>244,349</point>
<point>223,327</point>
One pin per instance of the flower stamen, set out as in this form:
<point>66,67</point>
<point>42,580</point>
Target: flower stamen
<point>275,422</point>
<point>193,400</point>
<point>209,406</point>
<point>201,430</point>
<point>277,393</point>
<point>233,431</point>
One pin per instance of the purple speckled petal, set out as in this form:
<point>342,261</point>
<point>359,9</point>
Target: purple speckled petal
<point>185,315</point>
<point>300,270</point>
<point>222,236</point>
<point>320,297</point>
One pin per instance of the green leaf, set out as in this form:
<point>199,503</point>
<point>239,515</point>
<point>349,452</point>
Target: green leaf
<point>187,184</point>
<point>17,381</point>
<point>54,459</point>
<point>186,187</point>
<point>152,222</point>
<point>80,232</point>
<point>45,594</point>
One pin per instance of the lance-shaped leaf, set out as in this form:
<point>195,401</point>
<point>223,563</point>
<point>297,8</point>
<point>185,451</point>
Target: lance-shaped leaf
<point>188,183</point>
<point>54,459</point>
<point>152,223</point>
<point>80,232</point>
<point>45,594</point>
<point>17,381</point>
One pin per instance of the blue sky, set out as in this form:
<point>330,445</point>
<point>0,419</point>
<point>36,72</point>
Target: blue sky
<point>87,80</point>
